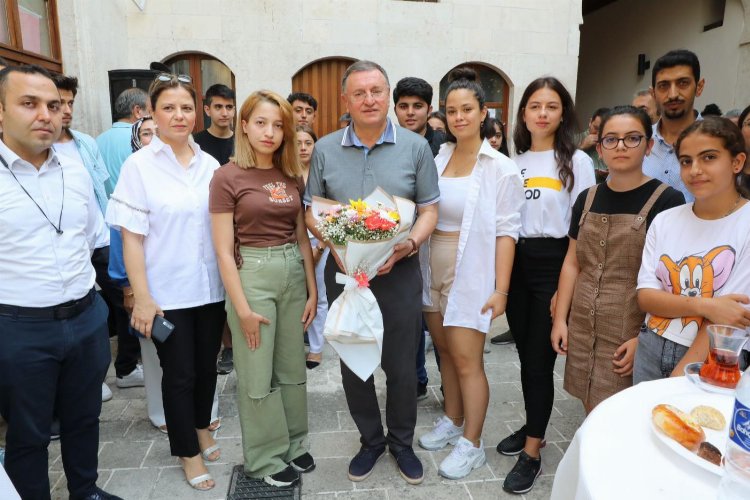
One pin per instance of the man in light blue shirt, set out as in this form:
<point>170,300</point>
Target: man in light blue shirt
<point>675,83</point>
<point>114,144</point>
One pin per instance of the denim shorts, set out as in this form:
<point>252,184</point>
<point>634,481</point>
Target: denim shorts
<point>656,356</point>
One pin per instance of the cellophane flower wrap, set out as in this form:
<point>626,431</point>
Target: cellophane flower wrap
<point>363,234</point>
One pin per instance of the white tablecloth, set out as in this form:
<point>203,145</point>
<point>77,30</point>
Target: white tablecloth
<point>7,491</point>
<point>616,455</point>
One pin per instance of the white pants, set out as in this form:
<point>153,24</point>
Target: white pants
<point>315,332</point>
<point>152,379</point>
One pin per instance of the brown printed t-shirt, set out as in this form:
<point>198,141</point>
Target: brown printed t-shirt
<point>265,203</point>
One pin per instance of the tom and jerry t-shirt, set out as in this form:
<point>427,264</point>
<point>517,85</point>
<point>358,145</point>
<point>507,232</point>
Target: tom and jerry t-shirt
<point>685,255</point>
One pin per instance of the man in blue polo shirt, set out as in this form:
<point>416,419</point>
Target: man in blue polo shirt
<point>114,144</point>
<point>349,164</point>
<point>675,83</point>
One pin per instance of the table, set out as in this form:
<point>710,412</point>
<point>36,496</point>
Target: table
<point>616,455</point>
<point>7,491</point>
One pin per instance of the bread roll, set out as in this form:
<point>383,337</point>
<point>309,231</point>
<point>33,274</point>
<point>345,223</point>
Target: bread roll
<point>679,426</point>
<point>710,452</point>
<point>708,416</point>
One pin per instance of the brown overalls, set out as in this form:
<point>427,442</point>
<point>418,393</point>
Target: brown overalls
<point>604,313</point>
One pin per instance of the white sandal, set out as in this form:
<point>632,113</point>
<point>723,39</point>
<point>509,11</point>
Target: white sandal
<point>199,479</point>
<point>210,450</point>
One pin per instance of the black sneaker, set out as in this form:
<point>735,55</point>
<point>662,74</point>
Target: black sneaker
<point>421,391</point>
<point>502,339</point>
<point>364,462</point>
<point>523,475</point>
<point>284,478</point>
<point>225,365</point>
<point>409,466</point>
<point>303,463</point>
<point>513,444</point>
<point>54,431</point>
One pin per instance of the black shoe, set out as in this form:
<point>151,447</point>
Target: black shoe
<point>421,391</point>
<point>523,475</point>
<point>225,365</point>
<point>54,430</point>
<point>513,444</point>
<point>284,478</point>
<point>100,494</point>
<point>303,463</point>
<point>502,339</point>
<point>409,466</point>
<point>364,462</point>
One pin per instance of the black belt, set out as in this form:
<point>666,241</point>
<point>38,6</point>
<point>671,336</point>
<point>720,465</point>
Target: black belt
<point>66,310</point>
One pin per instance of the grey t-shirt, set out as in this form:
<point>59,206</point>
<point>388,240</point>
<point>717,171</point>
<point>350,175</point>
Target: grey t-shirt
<point>401,163</point>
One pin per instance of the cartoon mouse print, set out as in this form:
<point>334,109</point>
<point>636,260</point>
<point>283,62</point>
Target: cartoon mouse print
<point>693,276</point>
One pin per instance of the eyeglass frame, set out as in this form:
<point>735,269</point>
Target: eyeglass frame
<point>354,96</point>
<point>619,139</point>
<point>169,77</point>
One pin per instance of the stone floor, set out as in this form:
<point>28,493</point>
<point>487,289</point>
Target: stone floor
<point>135,463</point>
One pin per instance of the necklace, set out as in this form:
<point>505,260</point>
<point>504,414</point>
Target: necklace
<point>58,227</point>
<point>734,207</point>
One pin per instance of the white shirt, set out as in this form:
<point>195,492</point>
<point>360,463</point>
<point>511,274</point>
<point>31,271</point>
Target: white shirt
<point>40,268</point>
<point>452,202</point>
<point>493,208</point>
<point>546,213</point>
<point>685,255</point>
<point>168,204</point>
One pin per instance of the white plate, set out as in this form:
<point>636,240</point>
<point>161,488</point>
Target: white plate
<point>686,402</point>
<point>692,372</point>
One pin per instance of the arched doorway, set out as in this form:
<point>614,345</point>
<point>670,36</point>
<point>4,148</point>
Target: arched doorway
<point>205,71</point>
<point>322,80</point>
<point>495,86</point>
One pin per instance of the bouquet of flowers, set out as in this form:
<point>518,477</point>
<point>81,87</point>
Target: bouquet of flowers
<point>363,234</point>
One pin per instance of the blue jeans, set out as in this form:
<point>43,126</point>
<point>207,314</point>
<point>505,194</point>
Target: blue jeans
<point>46,367</point>
<point>656,357</point>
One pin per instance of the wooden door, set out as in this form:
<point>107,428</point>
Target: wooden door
<point>322,80</point>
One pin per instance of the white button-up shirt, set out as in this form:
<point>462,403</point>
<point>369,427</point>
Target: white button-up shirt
<point>492,209</point>
<point>158,198</point>
<point>38,267</point>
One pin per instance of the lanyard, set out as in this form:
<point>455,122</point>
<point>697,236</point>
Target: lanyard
<point>58,227</point>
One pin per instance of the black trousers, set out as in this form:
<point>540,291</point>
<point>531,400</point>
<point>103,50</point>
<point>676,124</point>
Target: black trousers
<point>46,367</point>
<point>128,347</point>
<point>188,361</point>
<point>536,270</point>
<point>399,295</point>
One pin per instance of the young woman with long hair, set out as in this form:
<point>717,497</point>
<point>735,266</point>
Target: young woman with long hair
<point>498,139</point>
<point>478,223</point>
<point>554,174</point>
<point>608,228</point>
<point>267,267</point>
<point>160,204</point>
<point>696,261</point>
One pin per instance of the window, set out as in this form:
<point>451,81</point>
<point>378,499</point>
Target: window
<point>29,33</point>
<point>205,70</point>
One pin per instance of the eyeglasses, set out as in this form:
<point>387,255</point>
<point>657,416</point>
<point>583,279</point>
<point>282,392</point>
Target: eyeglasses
<point>169,77</point>
<point>361,95</point>
<point>630,141</point>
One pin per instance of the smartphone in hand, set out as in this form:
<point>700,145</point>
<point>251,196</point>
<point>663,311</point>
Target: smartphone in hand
<point>161,329</point>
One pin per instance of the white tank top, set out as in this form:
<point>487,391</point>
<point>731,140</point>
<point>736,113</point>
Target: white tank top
<point>452,200</point>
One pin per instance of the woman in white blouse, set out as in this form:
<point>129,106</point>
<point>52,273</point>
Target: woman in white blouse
<point>478,222</point>
<point>160,204</point>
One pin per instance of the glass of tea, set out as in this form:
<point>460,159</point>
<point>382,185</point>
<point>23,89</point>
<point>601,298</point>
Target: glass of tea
<point>722,366</point>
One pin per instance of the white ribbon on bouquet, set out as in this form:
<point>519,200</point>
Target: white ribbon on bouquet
<point>354,325</point>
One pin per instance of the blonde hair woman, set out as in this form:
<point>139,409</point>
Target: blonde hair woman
<point>266,265</point>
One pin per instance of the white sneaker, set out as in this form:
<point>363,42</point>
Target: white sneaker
<point>106,392</point>
<point>442,434</point>
<point>463,459</point>
<point>133,379</point>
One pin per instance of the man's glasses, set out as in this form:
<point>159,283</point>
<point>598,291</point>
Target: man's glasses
<point>361,95</point>
<point>630,141</point>
<point>169,77</point>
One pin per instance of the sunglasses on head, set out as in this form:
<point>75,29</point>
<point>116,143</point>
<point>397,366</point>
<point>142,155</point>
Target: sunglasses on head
<point>169,77</point>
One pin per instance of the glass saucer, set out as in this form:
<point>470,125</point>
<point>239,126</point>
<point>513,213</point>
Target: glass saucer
<point>692,372</point>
